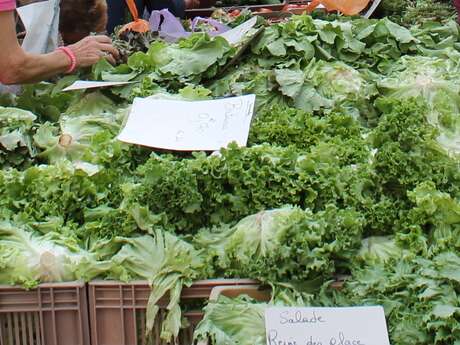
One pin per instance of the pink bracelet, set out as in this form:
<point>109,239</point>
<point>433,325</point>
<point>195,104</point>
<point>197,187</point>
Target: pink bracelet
<point>73,60</point>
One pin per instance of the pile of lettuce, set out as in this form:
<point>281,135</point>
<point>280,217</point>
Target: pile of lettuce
<point>410,12</point>
<point>352,168</point>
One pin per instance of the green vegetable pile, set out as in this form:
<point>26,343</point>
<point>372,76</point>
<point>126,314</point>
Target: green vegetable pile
<point>410,12</point>
<point>352,168</point>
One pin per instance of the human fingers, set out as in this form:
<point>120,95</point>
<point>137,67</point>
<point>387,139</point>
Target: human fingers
<point>102,39</point>
<point>111,59</point>
<point>109,49</point>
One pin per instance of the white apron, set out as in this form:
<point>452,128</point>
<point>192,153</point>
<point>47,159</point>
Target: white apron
<point>41,21</point>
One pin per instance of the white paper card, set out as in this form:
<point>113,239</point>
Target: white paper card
<point>235,35</point>
<point>83,84</point>
<point>326,326</point>
<point>189,126</point>
<point>41,21</point>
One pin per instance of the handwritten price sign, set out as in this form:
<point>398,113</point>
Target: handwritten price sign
<point>326,326</point>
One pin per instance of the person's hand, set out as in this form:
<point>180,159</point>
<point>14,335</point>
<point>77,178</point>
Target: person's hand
<point>91,49</point>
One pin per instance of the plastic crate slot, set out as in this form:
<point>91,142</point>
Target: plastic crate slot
<point>118,311</point>
<point>51,314</point>
<point>19,329</point>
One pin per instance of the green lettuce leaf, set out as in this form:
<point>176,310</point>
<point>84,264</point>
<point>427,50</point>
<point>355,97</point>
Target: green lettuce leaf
<point>167,263</point>
<point>299,246</point>
<point>437,81</point>
<point>27,258</point>
<point>17,128</point>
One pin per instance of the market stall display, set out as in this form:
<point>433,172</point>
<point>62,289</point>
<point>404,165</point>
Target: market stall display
<point>351,169</point>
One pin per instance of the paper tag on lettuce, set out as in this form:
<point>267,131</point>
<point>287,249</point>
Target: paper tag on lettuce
<point>189,126</point>
<point>236,35</point>
<point>86,84</point>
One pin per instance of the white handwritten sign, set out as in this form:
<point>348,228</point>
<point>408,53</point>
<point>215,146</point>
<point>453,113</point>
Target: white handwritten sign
<point>326,326</point>
<point>88,84</point>
<point>189,126</point>
<point>235,35</point>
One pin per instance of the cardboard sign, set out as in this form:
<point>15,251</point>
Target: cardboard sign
<point>189,126</point>
<point>83,84</point>
<point>326,326</point>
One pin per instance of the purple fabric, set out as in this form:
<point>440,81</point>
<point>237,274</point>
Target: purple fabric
<point>220,28</point>
<point>171,29</point>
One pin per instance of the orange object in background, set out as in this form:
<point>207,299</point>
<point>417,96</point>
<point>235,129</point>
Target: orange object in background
<point>137,25</point>
<point>347,7</point>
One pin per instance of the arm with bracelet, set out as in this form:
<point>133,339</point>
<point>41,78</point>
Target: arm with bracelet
<point>19,67</point>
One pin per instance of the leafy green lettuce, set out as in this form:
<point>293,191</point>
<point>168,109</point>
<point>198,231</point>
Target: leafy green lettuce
<point>170,66</point>
<point>27,258</point>
<point>238,321</point>
<point>167,263</point>
<point>437,81</point>
<point>17,128</point>
<point>287,245</point>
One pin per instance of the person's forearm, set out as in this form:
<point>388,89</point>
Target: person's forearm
<point>17,66</point>
<point>30,68</point>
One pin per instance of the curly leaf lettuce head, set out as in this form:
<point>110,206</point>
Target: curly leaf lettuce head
<point>28,259</point>
<point>438,82</point>
<point>299,247</point>
<point>16,130</point>
<point>74,139</point>
<point>441,214</point>
<point>61,190</point>
<point>167,263</point>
